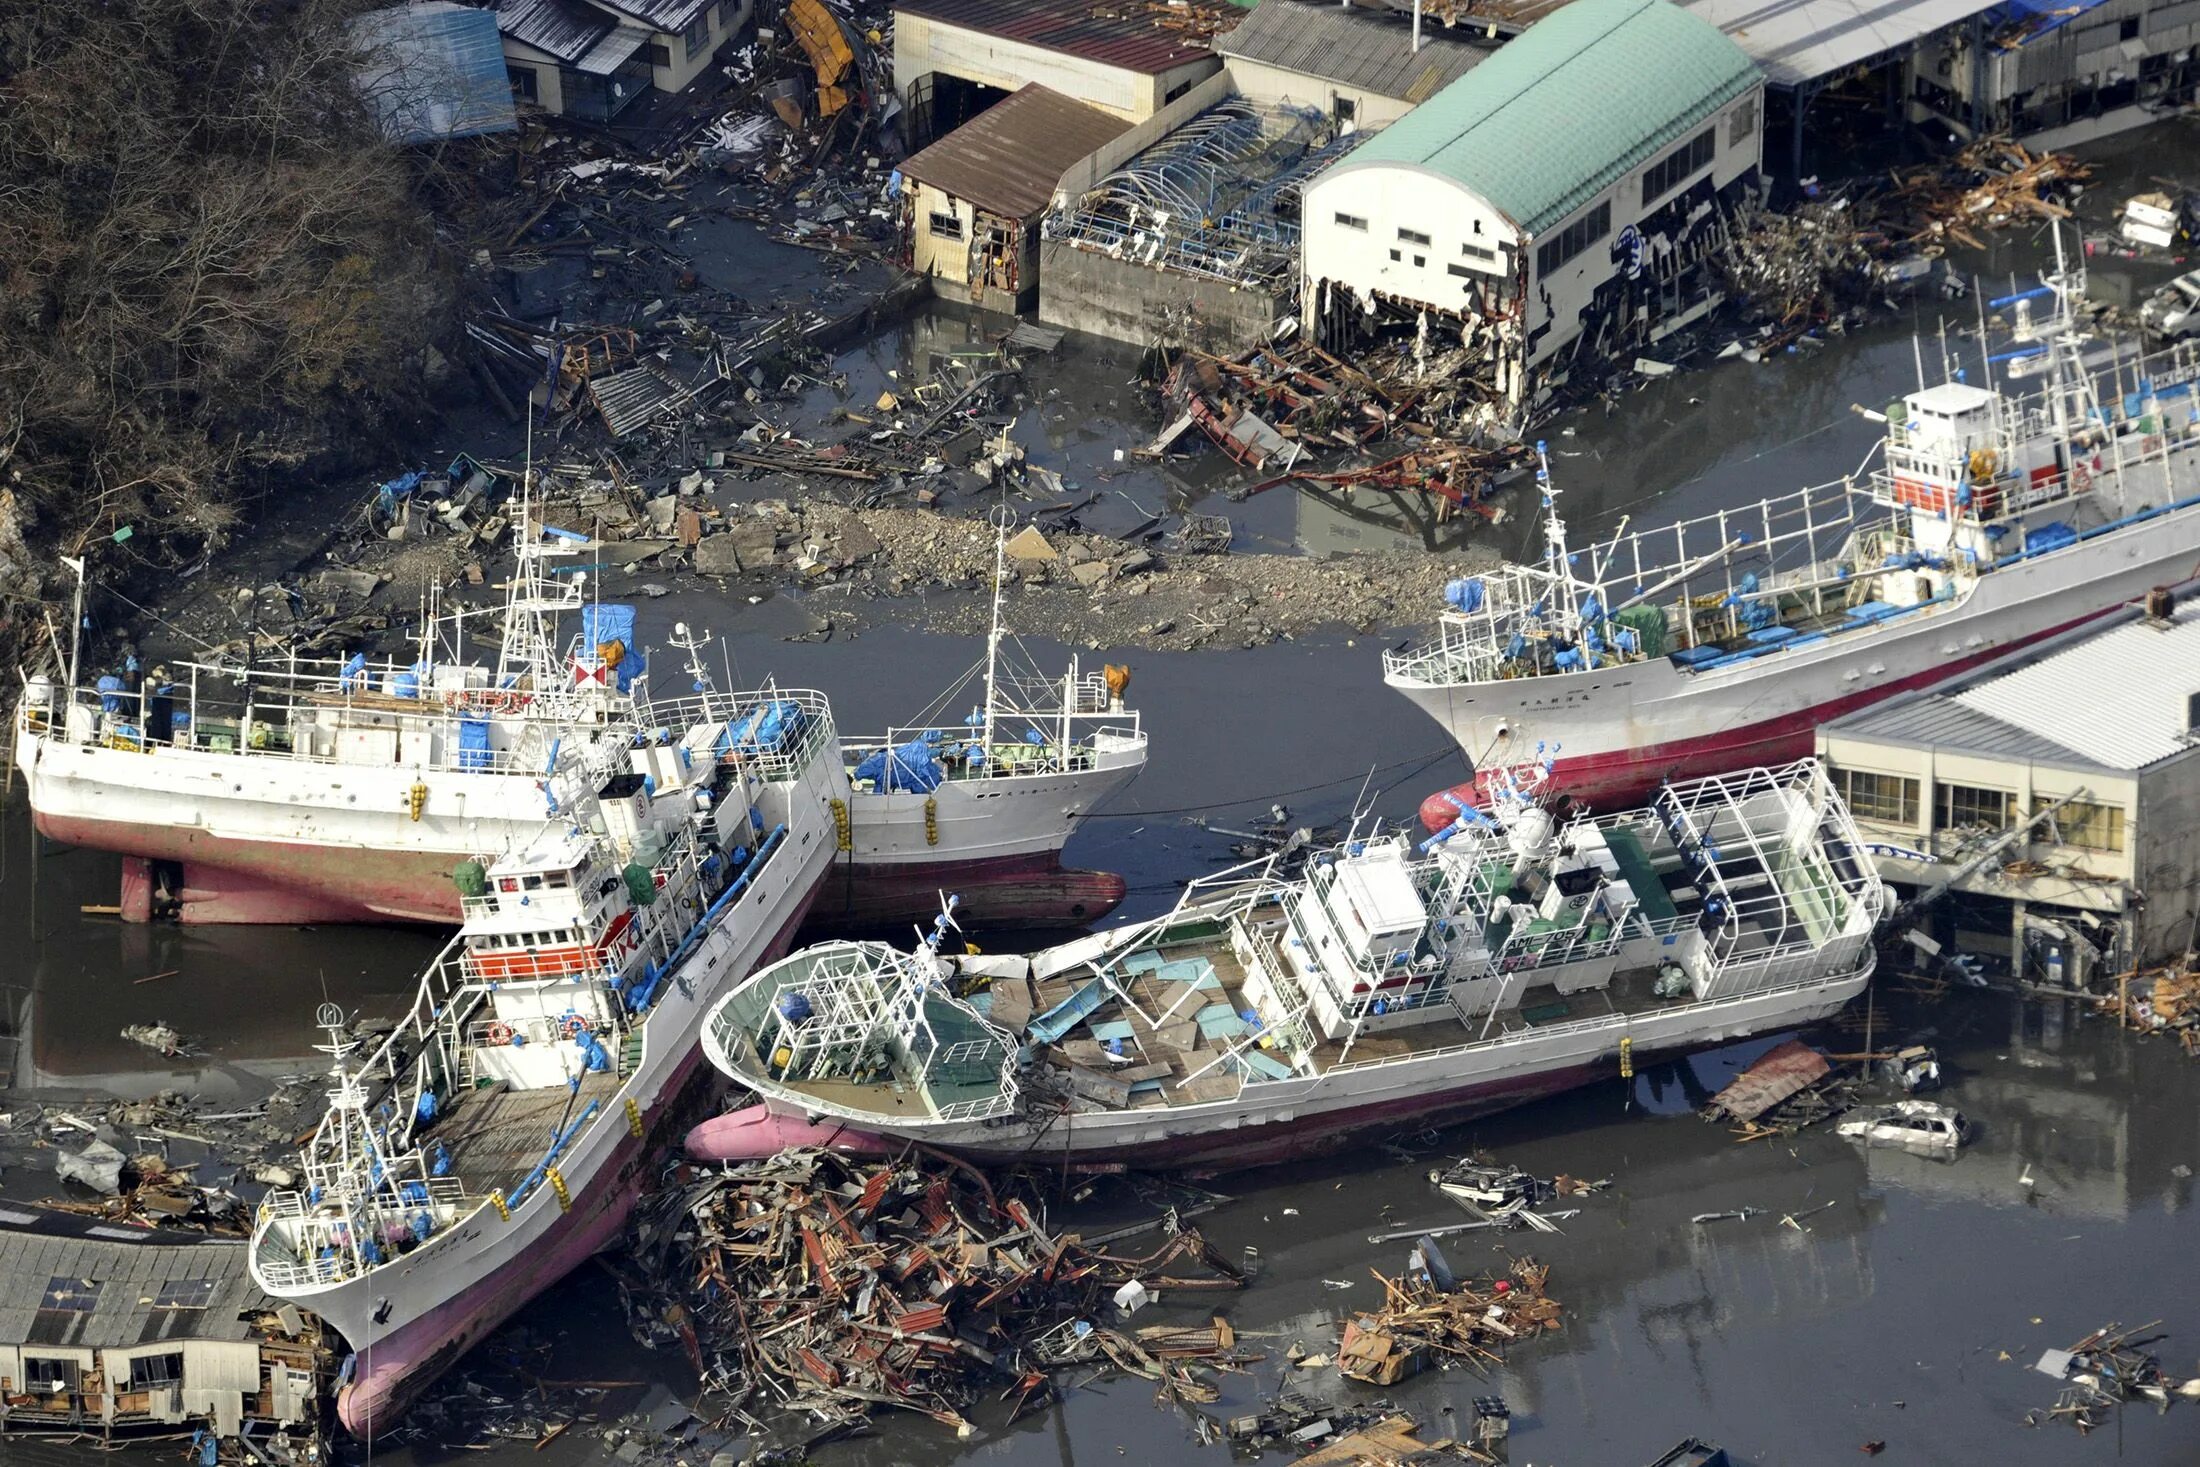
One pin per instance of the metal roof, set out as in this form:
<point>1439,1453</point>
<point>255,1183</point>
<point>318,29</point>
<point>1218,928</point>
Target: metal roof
<point>434,70</point>
<point>560,28</point>
<point>1797,41</point>
<point>115,1290</point>
<point>1934,720</point>
<point>1583,96</point>
<point>1352,48</point>
<point>2046,706</point>
<point>671,16</point>
<point>613,51</point>
<point>1008,158</point>
<point>1131,38</point>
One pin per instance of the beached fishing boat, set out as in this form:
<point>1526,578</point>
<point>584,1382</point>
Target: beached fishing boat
<point>1391,984</point>
<point>2060,483</point>
<point>496,1138</point>
<point>981,802</point>
<point>298,790</point>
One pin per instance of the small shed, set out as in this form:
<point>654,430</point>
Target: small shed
<point>434,71</point>
<point>971,202</point>
<point>109,1331</point>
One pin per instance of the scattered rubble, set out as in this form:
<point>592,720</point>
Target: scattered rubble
<point>2159,1001</point>
<point>2104,1370</point>
<point>813,1284</point>
<point>1429,1317</point>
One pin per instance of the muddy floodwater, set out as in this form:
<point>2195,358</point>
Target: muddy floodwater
<point>1905,1300</point>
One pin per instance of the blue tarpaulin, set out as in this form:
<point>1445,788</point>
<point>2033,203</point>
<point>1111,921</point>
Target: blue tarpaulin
<point>434,71</point>
<point>614,622</point>
<point>765,728</point>
<point>473,743</point>
<point>906,769</point>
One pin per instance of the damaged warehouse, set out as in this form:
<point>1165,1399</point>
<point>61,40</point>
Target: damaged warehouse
<point>1559,202</point>
<point>971,202</point>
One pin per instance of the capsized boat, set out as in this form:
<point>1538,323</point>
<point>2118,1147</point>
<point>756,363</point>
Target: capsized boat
<point>2056,486</point>
<point>1391,984</point>
<point>983,805</point>
<point>497,1137</point>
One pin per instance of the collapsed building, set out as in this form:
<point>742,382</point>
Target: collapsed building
<point>1562,199</point>
<point>593,59</point>
<point>2057,75</point>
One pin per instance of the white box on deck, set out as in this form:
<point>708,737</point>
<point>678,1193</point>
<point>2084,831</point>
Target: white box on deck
<point>366,746</point>
<point>416,748</point>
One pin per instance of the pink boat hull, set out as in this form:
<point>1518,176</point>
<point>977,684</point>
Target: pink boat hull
<point>755,1132</point>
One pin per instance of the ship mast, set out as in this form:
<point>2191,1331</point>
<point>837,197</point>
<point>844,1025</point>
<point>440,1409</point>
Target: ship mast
<point>1555,553</point>
<point>1000,517</point>
<point>349,1130</point>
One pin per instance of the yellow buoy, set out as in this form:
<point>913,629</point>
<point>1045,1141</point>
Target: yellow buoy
<point>496,1200</point>
<point>840,824</point>
<point>557,1185</point>
<point>931,820</point>
<point>1627,1059</point>
<point>634,1118</point>
<point>417,801</point>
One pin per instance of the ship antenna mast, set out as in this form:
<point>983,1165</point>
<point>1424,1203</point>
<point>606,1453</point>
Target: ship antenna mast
<point>1002,516</point>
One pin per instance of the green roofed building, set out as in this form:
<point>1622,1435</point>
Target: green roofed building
<point>1559,198</point>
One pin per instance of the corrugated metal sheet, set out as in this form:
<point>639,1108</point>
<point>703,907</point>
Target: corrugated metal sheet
<point>1579,99</point>
<point>613,51</point>
<point>1134,42</point>
<point>561,28</point>
<point>672,16</point>
<point>1351,48</point>
<point>434,70</point>
<point>1008,158</point>
<point>127,1278</point>
<point>1937,721</point>
<point>2121,698</point>
<point>1796,41</point>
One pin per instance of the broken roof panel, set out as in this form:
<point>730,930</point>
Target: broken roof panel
<point>1126,34</point>
<point>1352,48</point>
<point>613,51</point>
<point>565,29</point>
<point>1781,1072</point>
<point>1008,158</point>
<point>434,71</point>
<point>669,16</point>
<point>1798,41</point>
<point>66,1280</point>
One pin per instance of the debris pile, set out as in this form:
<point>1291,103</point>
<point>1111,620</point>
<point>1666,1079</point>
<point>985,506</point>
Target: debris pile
<point>1429,1317</point>
<point>836,1287</point>
<point>2104,1370</point>
<point>1992,184</point>
<point>1788,1087</point>
<point>2159,1001</point>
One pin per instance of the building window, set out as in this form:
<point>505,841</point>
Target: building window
<point>2128,29</point>
<point>725,13</point>
<point>1413,236</point>
<point>1742,121</point>
<point>156,1372</point>
<point>1420,262</point>
<point>1553,254</point>
<point>1680,165</point>
<point>185,1294</point>
<point>1888,799</point>
<point>1396,256</point>
<point>657,55</point>
<point>522,79</point>
<point>944,226</point>
<point>1964,807</point>
<point>1459,270</point>
<point>1478,252</point>
<point>1353,221</point>
<point>73,1294</point>
<point>2090,827</point>
<point>697,35</point>
<point>47,1375</point>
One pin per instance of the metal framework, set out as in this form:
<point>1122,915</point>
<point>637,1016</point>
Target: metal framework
<point>1219,197</point>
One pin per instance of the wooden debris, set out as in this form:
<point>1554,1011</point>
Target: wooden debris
<point>1421,1323</point>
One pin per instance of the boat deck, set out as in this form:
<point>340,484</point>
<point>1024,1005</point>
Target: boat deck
<point>497,1135</point>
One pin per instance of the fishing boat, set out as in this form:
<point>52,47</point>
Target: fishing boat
<point>982,805</point>
<point>338,790</point>
<point>1392,983</point>
<point>496,1138</point>
<point>2058,486</point>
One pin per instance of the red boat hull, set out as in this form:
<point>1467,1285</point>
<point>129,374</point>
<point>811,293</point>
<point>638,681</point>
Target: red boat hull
<point>1033,890</point>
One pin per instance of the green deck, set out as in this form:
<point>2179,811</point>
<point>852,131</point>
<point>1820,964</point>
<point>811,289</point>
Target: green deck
<point>1634,865</point>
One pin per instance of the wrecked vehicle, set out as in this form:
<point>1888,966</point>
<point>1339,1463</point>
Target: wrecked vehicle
<point>1922,1127</point>
<point>1487,1185</point>
<point>2173,312</point>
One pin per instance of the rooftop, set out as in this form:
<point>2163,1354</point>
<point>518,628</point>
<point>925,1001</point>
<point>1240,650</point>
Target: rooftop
<point>1797,41</point>
<point>1008,158</point>
<point>1583,96</point>
<point>566,29</point>
<point>1122,33</point>
<point>1351,47</point>
<point>64,1281</point>
<point>434,70</point>
<point>2030,708</point>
